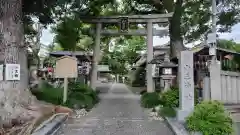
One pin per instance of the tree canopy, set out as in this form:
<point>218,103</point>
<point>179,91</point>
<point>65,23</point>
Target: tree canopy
<point>123,55</point>
<point>191,19</point>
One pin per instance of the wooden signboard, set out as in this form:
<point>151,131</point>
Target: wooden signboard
<point>66,67</point>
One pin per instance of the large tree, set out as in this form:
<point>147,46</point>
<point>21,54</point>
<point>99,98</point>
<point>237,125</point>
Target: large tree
<point>190,20</point>
<point>15,21</point>
<point>124,52</point>
<point>13,51</point>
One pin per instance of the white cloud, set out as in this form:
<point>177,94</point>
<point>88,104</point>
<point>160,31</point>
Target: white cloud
<point>235,34</point>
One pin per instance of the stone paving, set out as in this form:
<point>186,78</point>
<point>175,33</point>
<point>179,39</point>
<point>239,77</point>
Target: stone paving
<point>119,113</point>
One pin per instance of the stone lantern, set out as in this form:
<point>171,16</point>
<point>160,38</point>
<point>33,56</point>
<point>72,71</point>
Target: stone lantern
<point>167,76</point>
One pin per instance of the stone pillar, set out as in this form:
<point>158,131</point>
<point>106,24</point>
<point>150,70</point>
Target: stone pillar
<point>206,88</point>
<point>166,85</point>
<point>96,55</point>
<point>150,87</point>
<point>215,80</point>
<point>186,91</point>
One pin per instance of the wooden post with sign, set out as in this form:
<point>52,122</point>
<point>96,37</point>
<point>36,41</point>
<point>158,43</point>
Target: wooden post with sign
<point>66,67</point>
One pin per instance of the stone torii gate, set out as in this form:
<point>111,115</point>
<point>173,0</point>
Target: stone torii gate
<point>123,22</point>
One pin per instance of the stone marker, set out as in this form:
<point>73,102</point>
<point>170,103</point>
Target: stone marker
<point>186,85</point>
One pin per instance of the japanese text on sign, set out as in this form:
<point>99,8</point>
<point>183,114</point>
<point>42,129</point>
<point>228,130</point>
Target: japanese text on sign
<point>187,77</point>
<point>187,80</point>
<point>12,72</point>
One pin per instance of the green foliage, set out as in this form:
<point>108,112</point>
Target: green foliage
<point>189,14</point>
<point>125,51</point>
<point>233,64</point>
<point>210,118</point>
<point>80,100</point>
<point>228,44</point>
<point>170,98</point>
<point>167,112</point>
<point>150,100</point>
<point>68,33</point>
<point>49,94</point>
<point>76,88</point>
<point>78,95</point>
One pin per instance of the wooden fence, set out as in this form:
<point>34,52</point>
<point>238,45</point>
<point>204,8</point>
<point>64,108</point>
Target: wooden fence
<point>230,87</point>
<point>223,86</point>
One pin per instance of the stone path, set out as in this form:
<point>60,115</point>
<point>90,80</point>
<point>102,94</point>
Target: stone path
<point>119,113</point>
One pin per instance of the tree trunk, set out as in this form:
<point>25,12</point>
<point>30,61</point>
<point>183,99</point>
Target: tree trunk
<point>13,94</point>
<point>176,40</point>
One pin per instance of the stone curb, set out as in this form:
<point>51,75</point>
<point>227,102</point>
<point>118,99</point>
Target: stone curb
<point>52,125</point>
<point>170,125</point>
<point>178,130</point>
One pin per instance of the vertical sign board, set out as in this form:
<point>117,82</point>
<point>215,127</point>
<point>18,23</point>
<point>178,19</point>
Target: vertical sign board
<point>186,95</point>
<point>12,72</point>
<point>124,24</point>
<point>211,40</point>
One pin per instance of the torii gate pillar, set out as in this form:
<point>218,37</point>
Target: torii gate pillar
<point>96,56</point>
<point>150,84</point>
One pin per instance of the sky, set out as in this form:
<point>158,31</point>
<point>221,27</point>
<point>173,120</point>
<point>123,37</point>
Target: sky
<point>47,36</point>
<point>235,34</point>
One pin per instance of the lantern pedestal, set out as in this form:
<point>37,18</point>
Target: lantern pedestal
<point>167,81</point>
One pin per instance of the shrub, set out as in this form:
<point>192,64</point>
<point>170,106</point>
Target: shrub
<point>143,92</point>
<point>170,98</point>
<point>76,87</point>
<point>150,100</point>
<point>80,100</point>
<point>210,118</point>
<point>50,94</point>
<point>78,94</point>
<point>167,111</point>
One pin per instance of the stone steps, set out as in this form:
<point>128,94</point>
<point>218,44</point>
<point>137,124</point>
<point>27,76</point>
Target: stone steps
<point>234,110</point>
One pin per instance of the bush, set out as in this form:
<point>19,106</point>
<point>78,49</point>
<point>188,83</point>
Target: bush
<point>75,87</point>
<point>78,95</point>
<point>170,98</point>
<point>150,100</point>
<point>50,94</point>
<point>143,92</point>
<point>80,100</point>
<point>78,87</point>
<point>210,118</point>
<point>167,111</point>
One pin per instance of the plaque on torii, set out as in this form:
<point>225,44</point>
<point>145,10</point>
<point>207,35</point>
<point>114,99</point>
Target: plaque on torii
<point>124,24</point>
